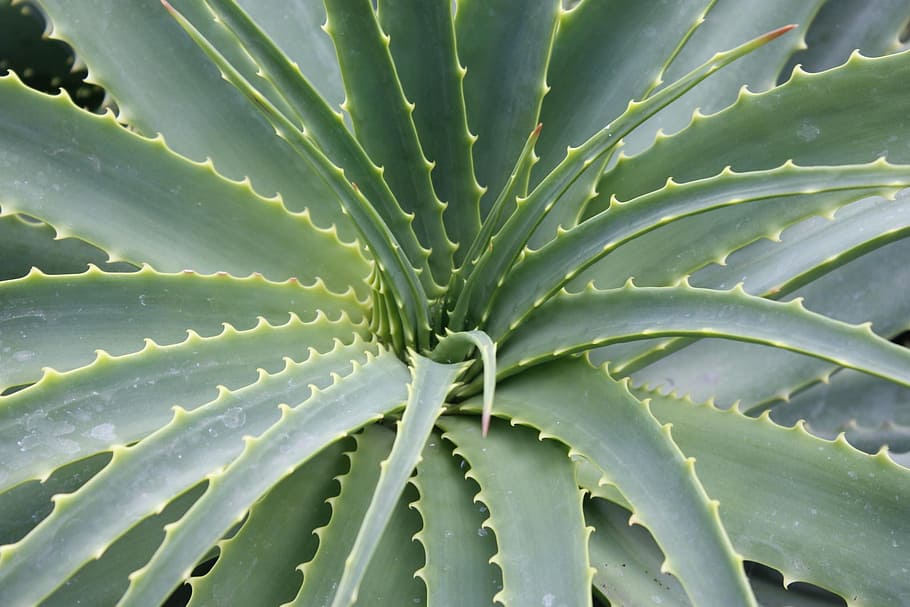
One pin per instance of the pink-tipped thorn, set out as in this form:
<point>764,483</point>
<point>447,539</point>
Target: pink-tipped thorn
<point>484,423</point>
<point>536,131</point>
<point>167,5</point>
<point>779,32</point>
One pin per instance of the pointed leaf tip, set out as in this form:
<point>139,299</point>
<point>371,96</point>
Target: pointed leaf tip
<point>779,32</point>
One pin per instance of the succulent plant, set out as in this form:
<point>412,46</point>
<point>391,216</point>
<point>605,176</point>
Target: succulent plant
<point>418,350</point>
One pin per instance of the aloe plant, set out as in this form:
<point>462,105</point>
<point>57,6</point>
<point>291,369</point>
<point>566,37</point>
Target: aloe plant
<point>327,312</point>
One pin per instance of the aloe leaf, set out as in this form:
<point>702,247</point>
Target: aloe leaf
<point>321,574</point>
<point>627,559</point>
<point>515,188</point>
<point>593,73</point>
<point>842,27</point>
<point>812,248</point>
<point>390,579</point>
<point>458,548</point>
<point>567,324</point>
<point>569,209</point>
<point>390,576</point>
<point>27,504</point>
<point>454,347</point>
<point>371,391</point>
<point>774,267</point>
<point>296,26</point>
<point>384,124</point>
<point>59,321</point>
<point>606,53</point>
<point>426,61</point>
<point>592,479</point>
<point>526,514</point>
<point>509,241</point>
<point>394,264</point>
<point>549,269</point>
<point>258,565</point>
<point>324,125</point>
<point>210,25</point>
<point>786,519</point>
<point>725,24</point>
<point>743,372</point>
<point>812,119</point>
<point>777,268</point>
<point>26,244</point>
<point>869,439</point>
<point>125,193</point>
<point>848,398</point>
<point>430,383</point>
<point>119,400</point>
<point>770,591</point>
<point>155,69</point>
<point>102,581</point>
<point>611,428</point>
<point>165,464</point>
<point>503,96</point>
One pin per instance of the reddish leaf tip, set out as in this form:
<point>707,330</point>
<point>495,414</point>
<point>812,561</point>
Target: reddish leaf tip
<point>779,31</point>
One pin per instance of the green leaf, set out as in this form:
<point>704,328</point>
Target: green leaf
<point>430,383</point>
<point>324,125</point>
<point>607,53</point>
<point>155,69</point>
<point>601,420</point>
<point>369,392</point>
<point>27,504</point>
<point>566,324</point>
<point>258,565</point>
<point>119,400</point>
<point>454,347</point>
<point>383,121</point>
<point>321,574</point>
<point>725,24</point>
<point>812,119</point>
<point>818,511</point>
<point>505,48</point>
<point>141,479</point>
<point>663,256</point>
<point>812,248</point>
<point>396,270</point>
<point>296,26</point>
<point>627,559</point>
<point>458,548</point>
<point>770,592</point>
<point>756,375</point>
<point>102,581</point>
<point>844,26</point>
<point>26,244</point>
<point>125,193</point>
<point>502,209</point>
<point>390,576</point>
<point>848,400</point>
<point>777,268</point>
<point>494,263</point>
<point>542,273</point>
<point>60,321</point>
<point>527,514</point>
<point>423,49</point>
